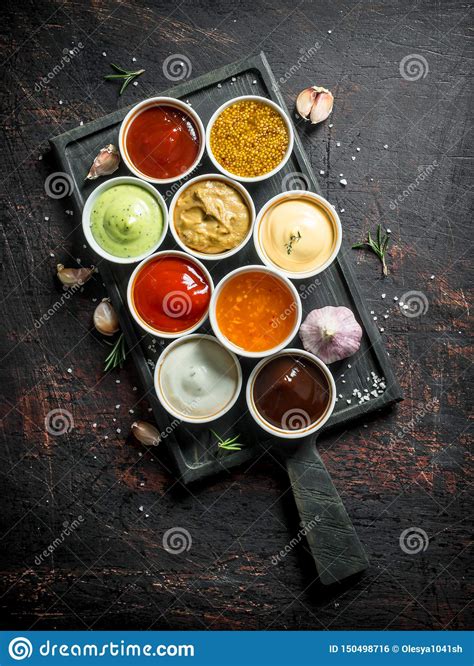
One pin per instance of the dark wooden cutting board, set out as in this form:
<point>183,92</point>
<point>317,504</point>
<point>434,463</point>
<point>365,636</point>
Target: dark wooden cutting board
<point>193,448</point>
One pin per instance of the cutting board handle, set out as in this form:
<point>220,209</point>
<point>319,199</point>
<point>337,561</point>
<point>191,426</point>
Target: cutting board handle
<point>335,546</point>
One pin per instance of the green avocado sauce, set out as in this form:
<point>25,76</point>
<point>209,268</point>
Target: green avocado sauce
<point>126,220</point>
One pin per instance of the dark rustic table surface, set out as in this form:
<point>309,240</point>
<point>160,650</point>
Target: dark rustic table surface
<point>84,514</point>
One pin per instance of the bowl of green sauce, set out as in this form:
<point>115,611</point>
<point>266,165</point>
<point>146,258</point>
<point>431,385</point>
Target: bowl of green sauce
<point>125,219</point>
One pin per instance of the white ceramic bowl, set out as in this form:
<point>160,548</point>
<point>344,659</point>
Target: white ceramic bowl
<point>232,183</point>
<point>289,128</point>
<point>131,306</point>
<point>298,415</point>
<point>230,345</point>
<point>149,103</point>
<point>87,210</point>
<point>298,194</point>
<point>162,396</point>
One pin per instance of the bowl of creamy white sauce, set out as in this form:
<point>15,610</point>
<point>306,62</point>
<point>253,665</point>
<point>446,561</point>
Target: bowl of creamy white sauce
<point>197,380</point>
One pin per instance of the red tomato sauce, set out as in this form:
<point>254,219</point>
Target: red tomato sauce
<point>162,142</point>
<point>171,294</point>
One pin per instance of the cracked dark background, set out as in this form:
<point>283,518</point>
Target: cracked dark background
<point>112,571</point>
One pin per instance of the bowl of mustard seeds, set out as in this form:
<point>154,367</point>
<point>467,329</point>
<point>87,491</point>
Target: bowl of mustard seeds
<point>249,138</point>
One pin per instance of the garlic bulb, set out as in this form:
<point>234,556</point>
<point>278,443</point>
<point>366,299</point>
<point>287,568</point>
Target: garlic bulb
<point>146,433</point>
<point>106,162</point>
<point>72,277</point>
<point>105,318</point>
<point>315,104</point>
<point>331,333</point>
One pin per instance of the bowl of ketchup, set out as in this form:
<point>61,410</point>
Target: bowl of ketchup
<point>161,139</point>
<point>169,293</point>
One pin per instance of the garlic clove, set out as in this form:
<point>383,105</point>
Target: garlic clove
<point>304,102</point>
<point>146,433</point>
<point>322,107</point>
<point>71,277</point>
<point>315,104</point>
<point>105,318</point>
<point>106,162</point>
<point>331,333</point>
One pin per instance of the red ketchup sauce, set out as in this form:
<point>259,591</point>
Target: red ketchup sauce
<point>171,294</point>
<point>162,142</point>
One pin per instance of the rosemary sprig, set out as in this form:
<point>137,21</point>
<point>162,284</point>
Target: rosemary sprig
<point>294,238</point>
<point>229,444</point>
<point>123,74</point>
<point>118,354</point>
<point>379,246</point>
